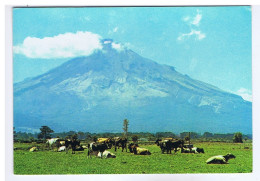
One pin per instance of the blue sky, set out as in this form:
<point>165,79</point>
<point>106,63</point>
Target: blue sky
<point>211,44</point>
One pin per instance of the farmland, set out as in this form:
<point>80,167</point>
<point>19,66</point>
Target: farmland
<point>52,162</point>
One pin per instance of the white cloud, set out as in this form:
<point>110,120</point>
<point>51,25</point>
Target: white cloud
<point>245,94</point>
<point>197,18</point>
<point>197,34</point>
<point>194,23</point>
<point>187,18</point>
<point>115,29</point>
<point>193,20</point>
<point>117,46</point>
<point>61,46</point>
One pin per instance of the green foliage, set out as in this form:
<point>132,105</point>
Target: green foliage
<point>238,138</point>
<point>45,132</point>
<point>25,137</point>
<point>134,138</point>
<point>207,135</point>
<point>165,135</point>
<point>94,138</point>
<point>193,135</point>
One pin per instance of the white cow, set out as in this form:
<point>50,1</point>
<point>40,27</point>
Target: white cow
<point>62,148</point>
<point>51,141</point>
<point>106,154</point>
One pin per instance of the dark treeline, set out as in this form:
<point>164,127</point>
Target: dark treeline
<point>142,136</point>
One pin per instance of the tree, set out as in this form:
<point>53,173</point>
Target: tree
<point>125,127</point>
<point>81,135</point>
<point>207,135</point>
<point>95,138</point>
<point>14,134</point>
<point>134,138</point>
<point>45,132</point>
<point>237,138</point>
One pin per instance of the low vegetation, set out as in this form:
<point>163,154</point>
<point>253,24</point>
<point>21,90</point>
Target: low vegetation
<point>52,162</point>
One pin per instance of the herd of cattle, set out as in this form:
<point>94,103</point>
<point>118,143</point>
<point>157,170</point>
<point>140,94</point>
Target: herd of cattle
<point>101,146</point>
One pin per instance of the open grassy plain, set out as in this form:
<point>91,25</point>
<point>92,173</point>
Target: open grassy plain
<point>52,162</point>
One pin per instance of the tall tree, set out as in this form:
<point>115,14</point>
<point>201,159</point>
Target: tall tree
<point>45,132</point>
<point>237,138</point>
<point>125,127</point>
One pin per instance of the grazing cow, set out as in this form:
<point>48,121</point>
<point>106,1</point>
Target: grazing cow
<point>51,141</point>
<point>120,142</point>
<point>94,148</point>
<point>169,144</point>
<point>73,143</point>
<point>62,148</point>
<point>162,144</point>
<point>220,159</point>
<point>108,141</point>
<point>33,149</point>
<point>106,154</point>
<point>176,144</point>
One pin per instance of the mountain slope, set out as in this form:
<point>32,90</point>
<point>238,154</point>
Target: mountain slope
<point>97,92</point>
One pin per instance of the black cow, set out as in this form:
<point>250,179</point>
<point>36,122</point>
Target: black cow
<point>73,143</point>
<point>94,148</point>
<point>176,144</point>
<point>162,145</point>
<point>120,142</point>
<point>168,145</point>
<point>131,147</point>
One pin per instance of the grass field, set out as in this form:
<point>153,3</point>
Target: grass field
<point>52,162</point>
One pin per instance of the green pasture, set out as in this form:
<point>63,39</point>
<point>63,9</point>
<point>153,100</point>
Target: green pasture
<point>52,162</point>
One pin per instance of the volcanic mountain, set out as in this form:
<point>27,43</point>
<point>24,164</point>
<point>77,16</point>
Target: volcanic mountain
<point>96,93</point>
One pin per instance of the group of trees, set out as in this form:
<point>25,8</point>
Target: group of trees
<point>46,133</point>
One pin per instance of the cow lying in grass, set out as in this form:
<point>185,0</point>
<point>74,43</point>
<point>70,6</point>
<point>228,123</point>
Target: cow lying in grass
<point>62,148</point>
<point>220,159</point>
<point>192,150</point>
<point>106,154</point>
<point>134,148</point>
<point>95,148</point>
<point>33,149</point>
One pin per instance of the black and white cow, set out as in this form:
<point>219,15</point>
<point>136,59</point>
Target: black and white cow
<point>94,148</point>
<point>120,142</point>
<point>220,159</point>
